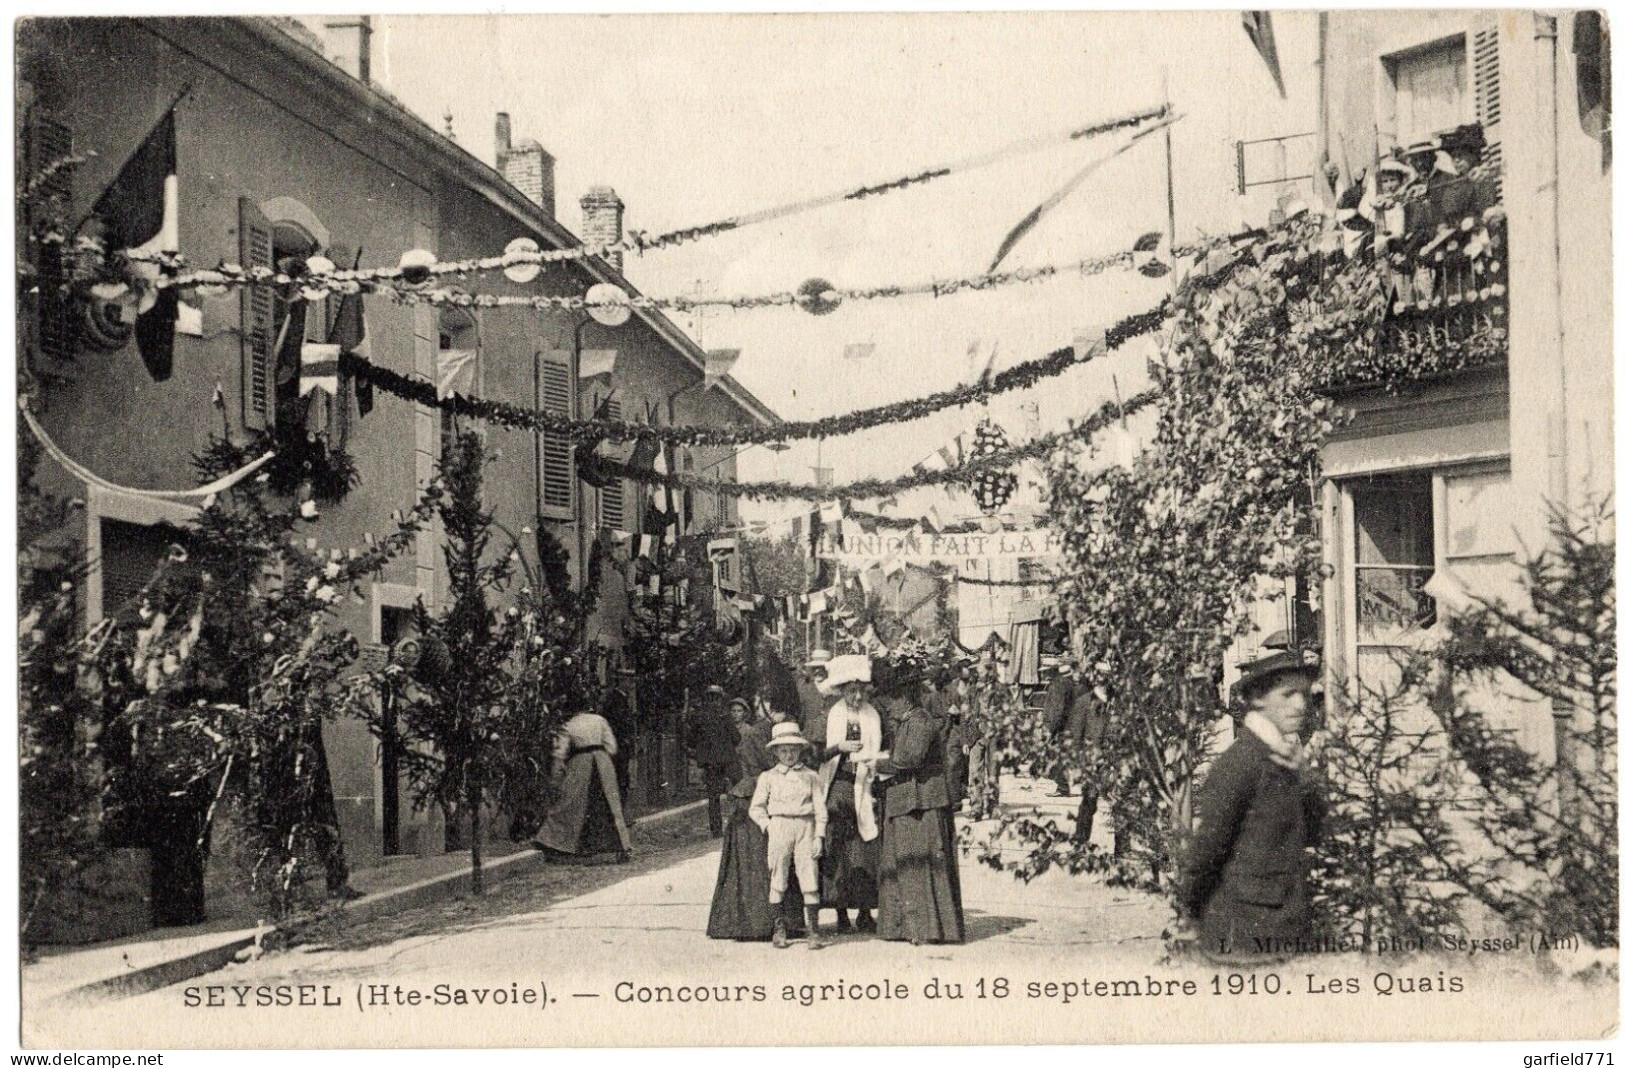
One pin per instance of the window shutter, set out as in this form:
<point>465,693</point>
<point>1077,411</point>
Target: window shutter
<point>558,454</point>
<point>49,142</point>
<point>612,497</point>
<point>259,315</point>
<point>1484,59</point>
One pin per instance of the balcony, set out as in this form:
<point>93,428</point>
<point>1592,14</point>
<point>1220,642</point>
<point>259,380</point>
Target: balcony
<point>1432,229</point>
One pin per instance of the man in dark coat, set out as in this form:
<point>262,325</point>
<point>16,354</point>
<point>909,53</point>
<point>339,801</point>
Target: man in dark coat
<point>713,742</point>
<point>1085,724</point>
<point>1059,700</point>
<point>814,716</point>
<point>1246,874</point>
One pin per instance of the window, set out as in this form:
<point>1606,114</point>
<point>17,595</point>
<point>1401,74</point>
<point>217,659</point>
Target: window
<point>1429,90</point>
<point>48,143</point>
<point>130,554</point>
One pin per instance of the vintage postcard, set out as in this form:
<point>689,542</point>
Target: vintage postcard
<point>863,529</point>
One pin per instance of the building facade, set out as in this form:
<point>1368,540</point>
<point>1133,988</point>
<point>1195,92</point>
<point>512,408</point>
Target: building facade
<point>284,149</point>
<point>1455,474</point>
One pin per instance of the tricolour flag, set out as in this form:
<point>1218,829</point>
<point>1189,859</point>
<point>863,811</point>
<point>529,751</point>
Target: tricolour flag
<point>1262,33</point>
<point>140,212</point>
<point>456,371</point>
<point>318,368</point>
<point>596,362</point>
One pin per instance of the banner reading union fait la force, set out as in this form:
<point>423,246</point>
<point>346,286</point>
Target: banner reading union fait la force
<point>911,548</point>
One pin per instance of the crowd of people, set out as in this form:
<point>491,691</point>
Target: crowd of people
<point>845,803</point>
<point>839,794</point>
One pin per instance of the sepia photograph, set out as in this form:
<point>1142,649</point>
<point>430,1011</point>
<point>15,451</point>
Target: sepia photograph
<point>785,529</point>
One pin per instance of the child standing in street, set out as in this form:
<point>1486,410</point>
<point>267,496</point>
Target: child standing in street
<point>789,806</point>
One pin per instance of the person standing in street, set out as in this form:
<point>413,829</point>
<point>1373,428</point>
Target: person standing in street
<point>1246,872</point>
<point>713,742</point>
<point>852,741</point>
<point>586,820</point>
<point>920,899</point>
<point>1058,706</point>
<point>1085,727</point>
<point>788,806</point>
<point>813,715</point>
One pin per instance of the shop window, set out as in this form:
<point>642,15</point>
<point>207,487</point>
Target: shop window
<point>1393,560</point>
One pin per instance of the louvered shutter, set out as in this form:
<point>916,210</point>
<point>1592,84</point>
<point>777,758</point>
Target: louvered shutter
<point>1484,60</point>
<point>254,241</point>
<point>558,454</point>
<point>612,497</point>
<point>49,143</point>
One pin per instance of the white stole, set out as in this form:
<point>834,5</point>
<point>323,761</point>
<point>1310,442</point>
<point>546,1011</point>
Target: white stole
<point>863,767</point>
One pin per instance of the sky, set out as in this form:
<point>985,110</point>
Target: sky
<point>696,118</point>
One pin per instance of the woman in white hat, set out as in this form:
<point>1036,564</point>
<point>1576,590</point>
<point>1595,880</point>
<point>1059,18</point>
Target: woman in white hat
<point>852,743</point>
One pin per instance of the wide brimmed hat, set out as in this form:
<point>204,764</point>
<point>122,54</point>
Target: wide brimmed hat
<point>1259,673</point>
<point>787,734</point>
<point>854,667</point>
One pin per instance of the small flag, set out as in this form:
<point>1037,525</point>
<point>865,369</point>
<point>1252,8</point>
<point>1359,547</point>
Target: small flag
<point>141,213</point>
<point>1084,344</point>
<point>646,545</point>
<point>817,603</point>
<point>318,368</point>
<point>860,351</point>
<point>349,333</point>
<point>596,362</point>
<point>935,519</point>
<point>947,457</point>
<point>718,363</point>
<point>887,504</point>
<point>823,477</point>
<point>456,367</point>
<point>866,579</point>
<point>831,511</point>
<point>1262,33</point>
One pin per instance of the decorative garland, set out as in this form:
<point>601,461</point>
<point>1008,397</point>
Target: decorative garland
<point>514,417</point>
<point>1078,433</point>
<point>1006,582</point>
<point>640,242</point>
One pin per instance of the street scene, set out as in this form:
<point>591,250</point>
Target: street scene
<point>543,531</point>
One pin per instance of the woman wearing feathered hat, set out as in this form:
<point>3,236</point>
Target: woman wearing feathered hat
<point>852,743</point>
<point>1246,873</point>
<point>920,899</point>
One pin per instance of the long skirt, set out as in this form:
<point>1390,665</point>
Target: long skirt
<point>739,906</point>
<point>919,879</point>
<point>586,819</point>
<point>850,867</point>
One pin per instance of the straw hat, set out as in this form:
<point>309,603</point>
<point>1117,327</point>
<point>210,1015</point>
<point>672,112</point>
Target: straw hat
<point>786,733</point>
<point>819,658</point>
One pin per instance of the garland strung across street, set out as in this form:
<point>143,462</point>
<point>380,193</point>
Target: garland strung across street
<point>321,279</point>
<point>523,253</point>
<point>1108,413</point>
<point>514,417</point>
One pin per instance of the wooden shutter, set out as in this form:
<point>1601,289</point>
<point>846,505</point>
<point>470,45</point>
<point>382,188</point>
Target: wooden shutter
<point>50,142</point>
<point>612,497</point>
<point>1484,61</point>
<point>558,454</point>
<point>254,241</point>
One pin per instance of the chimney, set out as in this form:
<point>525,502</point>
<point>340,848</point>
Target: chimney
<point>349,44</point>
<point>527,166</point>
<point>601,212</point>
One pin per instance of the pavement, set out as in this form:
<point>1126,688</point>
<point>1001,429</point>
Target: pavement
<point>618,956</point>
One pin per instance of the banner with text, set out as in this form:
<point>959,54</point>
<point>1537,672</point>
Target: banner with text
<point>911,548</point>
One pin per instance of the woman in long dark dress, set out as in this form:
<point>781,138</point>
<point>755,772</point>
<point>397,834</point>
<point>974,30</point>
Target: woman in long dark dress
<point>739,906</point>
<point>919,865</point>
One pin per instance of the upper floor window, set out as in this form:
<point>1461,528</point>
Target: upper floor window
<point>1430,90</point>
<point>459,370</point>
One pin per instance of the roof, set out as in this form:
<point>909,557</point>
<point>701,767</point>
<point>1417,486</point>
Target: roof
<point>459,164</point>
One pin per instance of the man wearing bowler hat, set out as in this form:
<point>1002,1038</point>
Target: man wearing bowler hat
<point>1246,873</point>
<point>714,742</point>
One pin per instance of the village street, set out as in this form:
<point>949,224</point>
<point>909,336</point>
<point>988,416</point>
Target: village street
<point>565,955</point>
